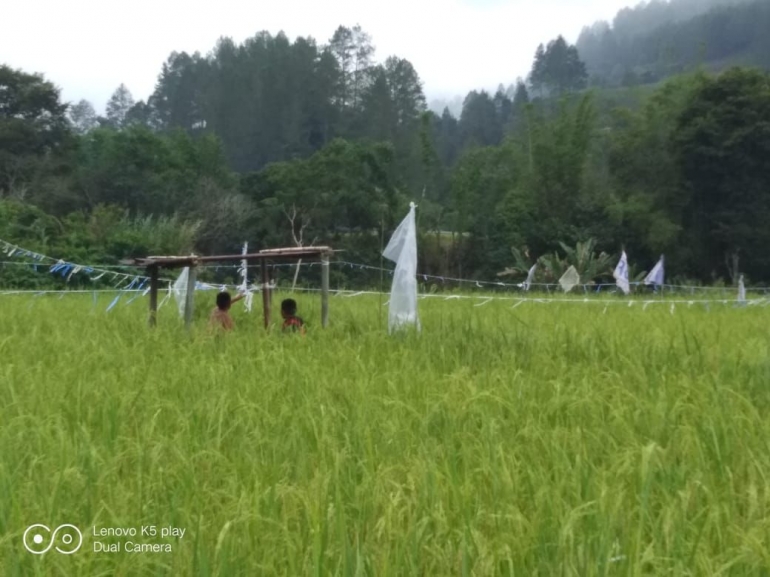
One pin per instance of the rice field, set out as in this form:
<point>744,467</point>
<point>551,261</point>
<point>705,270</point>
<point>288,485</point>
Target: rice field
<point>558,439</point>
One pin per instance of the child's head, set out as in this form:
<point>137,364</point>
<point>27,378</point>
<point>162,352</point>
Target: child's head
<point>223,301</point>
<point>288,308</point>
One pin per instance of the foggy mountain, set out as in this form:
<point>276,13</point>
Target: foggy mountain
<point>655,40</point>
<point>659,38</point>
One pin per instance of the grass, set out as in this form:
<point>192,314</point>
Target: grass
<point>550,439</point>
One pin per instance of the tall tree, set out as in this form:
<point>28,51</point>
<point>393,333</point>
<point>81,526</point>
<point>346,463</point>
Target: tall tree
<point>448,138</point>
<point>519,107</point>
<point>479,124</point>
<point>118,106</point>
<point>557,69</point>
<point>379,117</point>
<point>537,76</point>
<point>503,106</point>
<point>83,117</point>
<point>406,91</point>
<point>178,97</point>
<point>353,50</point>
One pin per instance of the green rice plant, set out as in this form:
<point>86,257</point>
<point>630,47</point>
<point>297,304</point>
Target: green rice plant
<point>546,439</point>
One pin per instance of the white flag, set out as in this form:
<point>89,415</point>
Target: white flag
<point>621,274</point>
<point>530,277</point>
<point>180,290</point>
<point>244,270</point>
<point>244,274</point>
<point>656,275</point>
<point>402,249</point>
<point>569,279</point>
<point>741,291</point>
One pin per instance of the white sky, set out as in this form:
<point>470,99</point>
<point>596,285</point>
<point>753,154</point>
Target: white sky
<point>88,48</point>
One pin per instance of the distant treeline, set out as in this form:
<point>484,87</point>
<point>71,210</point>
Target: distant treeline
<point>280,142</point>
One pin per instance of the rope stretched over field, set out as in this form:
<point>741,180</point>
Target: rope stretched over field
<point>480,300</point>
<point>130,281</point>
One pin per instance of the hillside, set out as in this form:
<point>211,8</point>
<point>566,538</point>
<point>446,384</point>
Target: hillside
<point>659,39</point>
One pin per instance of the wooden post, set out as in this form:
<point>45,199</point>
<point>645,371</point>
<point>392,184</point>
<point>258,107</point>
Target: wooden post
<point>153,272</point>
<point>189,301</point>
<point>324,290</point>
<point>265,293</point>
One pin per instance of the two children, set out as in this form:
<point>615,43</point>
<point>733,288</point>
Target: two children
<point>220,317</point>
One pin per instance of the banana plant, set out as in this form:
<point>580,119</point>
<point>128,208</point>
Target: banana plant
<point>589,264</point>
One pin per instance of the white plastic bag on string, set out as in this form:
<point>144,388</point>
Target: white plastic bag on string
<point>530,278</point>
<point>180,290</point>
<point>248,300</point>
<point>402,249</point>
<point>569,279</point>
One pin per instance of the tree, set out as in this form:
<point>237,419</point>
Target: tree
<point>480,181</point>
<point>83,117</point>
<point>406,91</point>
<point>537,76</point>
<point>561,150</point>
<point>479,124</point>
<point>118,106</point>
<point>34,131</point>
<point>557,69</point>
<point>722,147</point>
<point>344,192</point>
<point>147,172</point>
<point>140,114</point>
<point>448,138</point>
<point>353,51</point>
<point>519,106</point>
<point>503,106</point>
<point>379,114</point>
<point>648,205</point>
<point>177,101</point>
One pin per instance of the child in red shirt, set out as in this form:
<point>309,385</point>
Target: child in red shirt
<point>291,322</point>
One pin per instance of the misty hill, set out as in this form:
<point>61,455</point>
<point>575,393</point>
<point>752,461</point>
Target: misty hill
<point>659,39</point>
<point>454,105</point>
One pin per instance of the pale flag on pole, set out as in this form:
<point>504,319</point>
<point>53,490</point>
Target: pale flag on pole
<point>402,249</point>
<point>569,279</point>
<point>244,273</point>
<point>741,291</point>
<point>244,270</point>
<point>656,276</point>
<point>530,277</point>
<point>621,274</point>
<point>180,290</point>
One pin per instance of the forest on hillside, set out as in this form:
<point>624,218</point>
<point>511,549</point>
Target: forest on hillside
<point>659,39</point>
<point>274,140</point>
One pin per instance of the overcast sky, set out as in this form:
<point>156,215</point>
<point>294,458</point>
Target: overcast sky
<point>88,48</point>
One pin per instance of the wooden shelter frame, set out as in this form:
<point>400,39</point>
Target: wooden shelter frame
<point>153,264</point>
